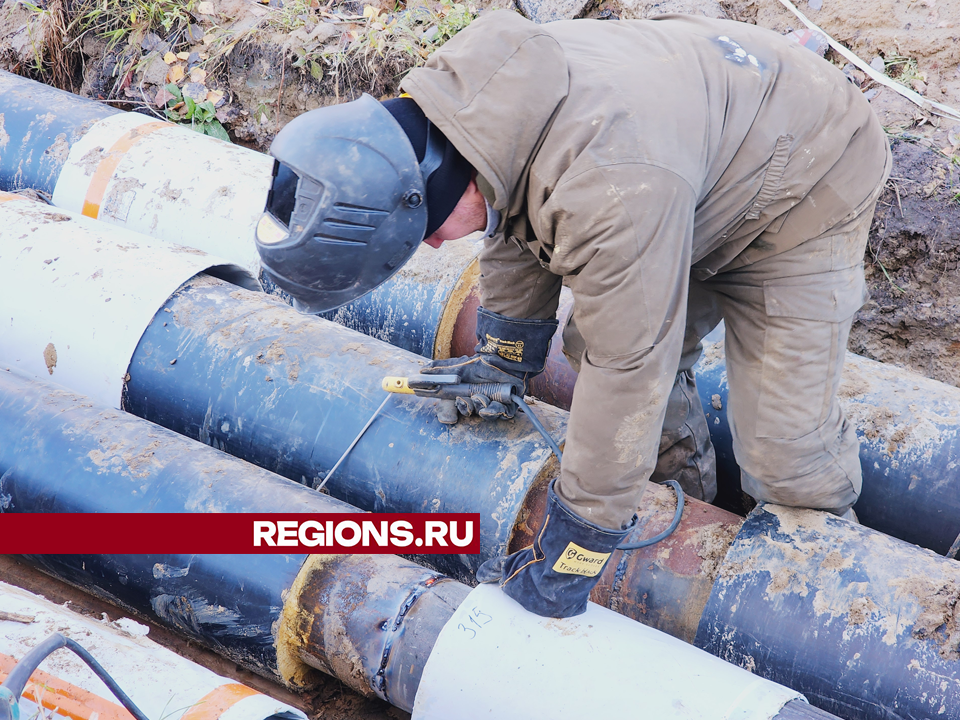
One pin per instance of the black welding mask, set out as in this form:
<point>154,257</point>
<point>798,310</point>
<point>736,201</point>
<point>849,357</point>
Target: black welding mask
<point>348,203</point>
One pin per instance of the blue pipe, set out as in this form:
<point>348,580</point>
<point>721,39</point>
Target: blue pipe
<point>866,626</point>
<point>290,392</point>
<point>42,123</point>
<point>909,430</point>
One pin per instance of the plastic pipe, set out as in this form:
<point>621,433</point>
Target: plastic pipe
<point>372,621</point>
<point>160,682</point>
<point>146,174</point>
<point>491,661</point>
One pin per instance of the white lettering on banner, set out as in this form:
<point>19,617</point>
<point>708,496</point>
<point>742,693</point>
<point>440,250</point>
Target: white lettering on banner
<point>402,532</point>
<point>397,534</point>
<point>370,531</point>
<point>264,530</point>
<point>287,533</point>
<point>467,531</point>
<point>435,530</point>
<point>352,527</point>
<point>314,540</point>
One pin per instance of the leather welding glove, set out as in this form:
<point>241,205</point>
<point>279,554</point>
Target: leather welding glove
<point>554,576</point>
<point>509,350</point>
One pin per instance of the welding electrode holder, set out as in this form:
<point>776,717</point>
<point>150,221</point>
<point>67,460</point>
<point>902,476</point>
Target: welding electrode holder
<point>449,387</point>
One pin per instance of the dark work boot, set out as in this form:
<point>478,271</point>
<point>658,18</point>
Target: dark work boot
<point>554,576</point>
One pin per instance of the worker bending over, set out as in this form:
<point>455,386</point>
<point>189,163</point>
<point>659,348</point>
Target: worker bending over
<point>673,172</point>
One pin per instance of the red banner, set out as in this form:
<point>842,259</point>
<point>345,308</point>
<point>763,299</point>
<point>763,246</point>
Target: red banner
<point>238,533</point>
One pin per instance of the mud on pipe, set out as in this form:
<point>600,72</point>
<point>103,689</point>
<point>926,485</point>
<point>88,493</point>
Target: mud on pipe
<point>61,453</point>
<point>289,393</point>
<point>374,622</point>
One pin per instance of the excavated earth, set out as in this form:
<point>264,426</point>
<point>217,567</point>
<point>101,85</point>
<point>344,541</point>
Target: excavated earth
<point>249,53</point>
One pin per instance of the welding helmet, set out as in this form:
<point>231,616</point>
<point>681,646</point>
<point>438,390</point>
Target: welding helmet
<point>348,202</point>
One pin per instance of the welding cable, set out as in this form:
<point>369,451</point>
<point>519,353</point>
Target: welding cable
<point>538,425</point>
<point>672,483</point>
<point>354,443</point>
<point>17,679</point>
<point>952,552</point>
<point>666,533</point>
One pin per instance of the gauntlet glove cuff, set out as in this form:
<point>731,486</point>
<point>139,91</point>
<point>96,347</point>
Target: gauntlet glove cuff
<point>516,346</point>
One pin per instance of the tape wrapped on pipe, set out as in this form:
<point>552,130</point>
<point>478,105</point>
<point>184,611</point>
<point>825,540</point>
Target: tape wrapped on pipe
<point>160,682</point>
<point>78,294</point>
<point>168,182</point>
<point>495,659</point>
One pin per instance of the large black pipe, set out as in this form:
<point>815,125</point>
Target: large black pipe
<point>40,124</point>
<point>909,444</point>
<point>290,393</point>
<point>864,625</point>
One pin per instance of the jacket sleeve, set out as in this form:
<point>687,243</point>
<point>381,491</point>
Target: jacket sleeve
<point>624,234</point>
<point>513,283</point>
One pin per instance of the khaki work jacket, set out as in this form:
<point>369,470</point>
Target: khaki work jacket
<point>624,156</point>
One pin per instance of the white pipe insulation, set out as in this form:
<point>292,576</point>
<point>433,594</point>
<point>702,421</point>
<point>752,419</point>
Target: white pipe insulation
<point>160,682</point>
<point>80,266</point>
<point>494,659</point>
<point>165,181</point>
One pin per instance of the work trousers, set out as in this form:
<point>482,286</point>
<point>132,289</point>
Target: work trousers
<point>787,320</point>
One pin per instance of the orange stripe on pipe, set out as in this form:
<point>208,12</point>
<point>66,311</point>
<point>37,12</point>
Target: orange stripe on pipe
<point>7,197</point>
<point>216,703</point>
<point>58,695</point>
<point>108,165</point>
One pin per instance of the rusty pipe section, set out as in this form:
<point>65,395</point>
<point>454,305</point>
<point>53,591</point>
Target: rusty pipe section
<point>665,586</point>
<point>370,620</point>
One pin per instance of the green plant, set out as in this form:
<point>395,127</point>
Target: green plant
<point>202,116</point>
<point>117,20</point>
<point>384,46</point>
<point>903,69</point>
